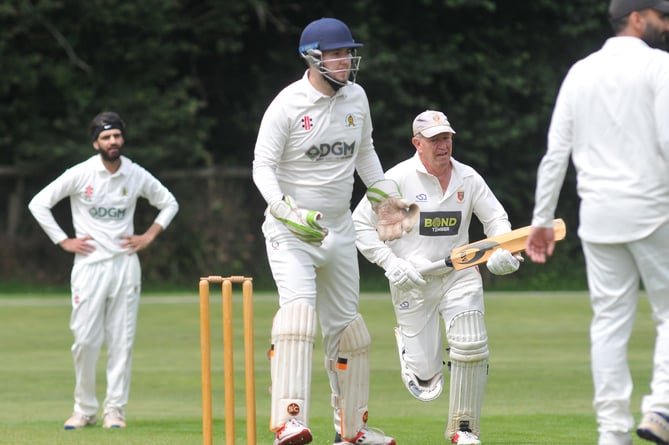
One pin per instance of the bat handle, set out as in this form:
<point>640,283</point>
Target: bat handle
<point>436,265</point>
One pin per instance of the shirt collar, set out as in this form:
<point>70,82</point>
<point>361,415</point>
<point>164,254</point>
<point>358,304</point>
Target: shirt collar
<point>100,167</point>
<point>314,95</point>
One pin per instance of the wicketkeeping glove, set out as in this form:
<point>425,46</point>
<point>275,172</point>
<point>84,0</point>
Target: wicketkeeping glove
<point>404,275</point>
<point>302,223</point>
<point>395,215</point>
<point>502,262</point>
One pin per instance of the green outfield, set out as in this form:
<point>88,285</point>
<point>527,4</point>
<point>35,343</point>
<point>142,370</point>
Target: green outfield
<point>539,389</point>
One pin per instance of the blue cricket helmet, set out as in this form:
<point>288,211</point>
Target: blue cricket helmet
<point>326,34</point>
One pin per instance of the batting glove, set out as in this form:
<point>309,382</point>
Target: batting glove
<point>395,215</point>
<point>502,262</point>
<point>404,275</point>
<point>302,223</point>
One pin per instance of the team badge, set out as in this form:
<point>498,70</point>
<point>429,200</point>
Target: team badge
<point>350,120</point>
<point>124,192</point>
<point>307,123</point>
<point>460,195</point>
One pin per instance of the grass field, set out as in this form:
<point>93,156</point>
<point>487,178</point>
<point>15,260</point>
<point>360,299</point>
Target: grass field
<point>539,389</point>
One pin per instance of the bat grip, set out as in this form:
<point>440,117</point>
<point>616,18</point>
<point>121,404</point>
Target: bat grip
<point>435,266</point>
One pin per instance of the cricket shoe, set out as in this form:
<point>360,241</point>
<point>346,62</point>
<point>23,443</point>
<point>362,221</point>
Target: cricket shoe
<point>655,428</point>
<point>114,418</point>
<point>293,433</point>
<point>465,437</point>
<point>366,436</point>
<point>79,420</point>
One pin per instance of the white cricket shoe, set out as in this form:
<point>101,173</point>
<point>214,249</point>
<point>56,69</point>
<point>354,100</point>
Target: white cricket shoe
<point>79,420</point>
<point>114,418</point>
<point>655,428</point>
<point>464,437</point>
<point>293,433</point>
<point>365,436</point>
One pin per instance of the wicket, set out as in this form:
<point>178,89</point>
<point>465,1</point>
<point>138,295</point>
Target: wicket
<point>228,366</point>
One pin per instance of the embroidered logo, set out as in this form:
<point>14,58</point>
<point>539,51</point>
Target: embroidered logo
<point>350,121</point>
<point>421,197</point>
<point>307,123</point>
<point>88,193</point>
<point>460,196</point>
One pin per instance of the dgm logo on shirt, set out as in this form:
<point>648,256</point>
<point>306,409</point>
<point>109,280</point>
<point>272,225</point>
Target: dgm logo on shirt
<point>440,223</point>
<point>334,151</point>
<point>107,212</point>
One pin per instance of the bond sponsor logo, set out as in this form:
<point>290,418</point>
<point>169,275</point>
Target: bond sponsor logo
<point>440,223</point>
<point>293,409</point>
<point>331,152</point>
<point>107,212</point>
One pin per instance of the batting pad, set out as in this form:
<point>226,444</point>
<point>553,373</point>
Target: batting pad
<point>351,391</point>
<point>293,336</point>
<point>468,340</point>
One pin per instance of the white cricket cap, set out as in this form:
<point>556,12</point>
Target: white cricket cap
<point>430,123</point>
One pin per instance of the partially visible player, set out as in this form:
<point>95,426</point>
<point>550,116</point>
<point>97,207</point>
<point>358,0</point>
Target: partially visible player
<point>611,118</point>
<point>106,276</point>
<point>314,136</point>
<point>448,193</point>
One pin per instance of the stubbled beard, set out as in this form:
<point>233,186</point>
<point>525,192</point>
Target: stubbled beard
<point>655,38</point>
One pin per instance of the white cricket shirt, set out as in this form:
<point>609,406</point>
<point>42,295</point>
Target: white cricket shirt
<point>102,204</point>
<point>310,144</point>
<point>612,116</point>
<point>444,217</point>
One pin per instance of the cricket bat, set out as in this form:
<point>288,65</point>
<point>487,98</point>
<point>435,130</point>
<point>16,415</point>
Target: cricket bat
<point>478,252</point>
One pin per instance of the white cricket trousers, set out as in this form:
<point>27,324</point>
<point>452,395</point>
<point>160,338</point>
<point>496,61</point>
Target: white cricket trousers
<point>614,274</point>
<point>105,302</point>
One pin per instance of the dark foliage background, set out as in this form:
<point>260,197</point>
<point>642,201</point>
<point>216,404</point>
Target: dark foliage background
<point>192,79</point>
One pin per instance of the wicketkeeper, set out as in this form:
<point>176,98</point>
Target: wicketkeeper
<point>448,193</point>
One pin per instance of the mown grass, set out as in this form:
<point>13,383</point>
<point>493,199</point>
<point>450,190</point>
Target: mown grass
<point>539,390</point>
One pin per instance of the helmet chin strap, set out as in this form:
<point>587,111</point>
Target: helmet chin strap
<point>335,84</point>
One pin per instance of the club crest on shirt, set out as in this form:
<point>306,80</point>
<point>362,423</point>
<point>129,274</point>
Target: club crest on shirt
<point>460,196</point>
<point>350,121</point>
<point>307,123</point>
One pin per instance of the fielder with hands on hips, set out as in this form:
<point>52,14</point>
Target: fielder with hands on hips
<point>106,275</point>
<point>314,136</point>
<point>611,117</point>
<point>448,193</point>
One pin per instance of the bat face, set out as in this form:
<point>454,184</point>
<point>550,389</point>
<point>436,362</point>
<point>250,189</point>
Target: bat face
<point>474,253</point>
